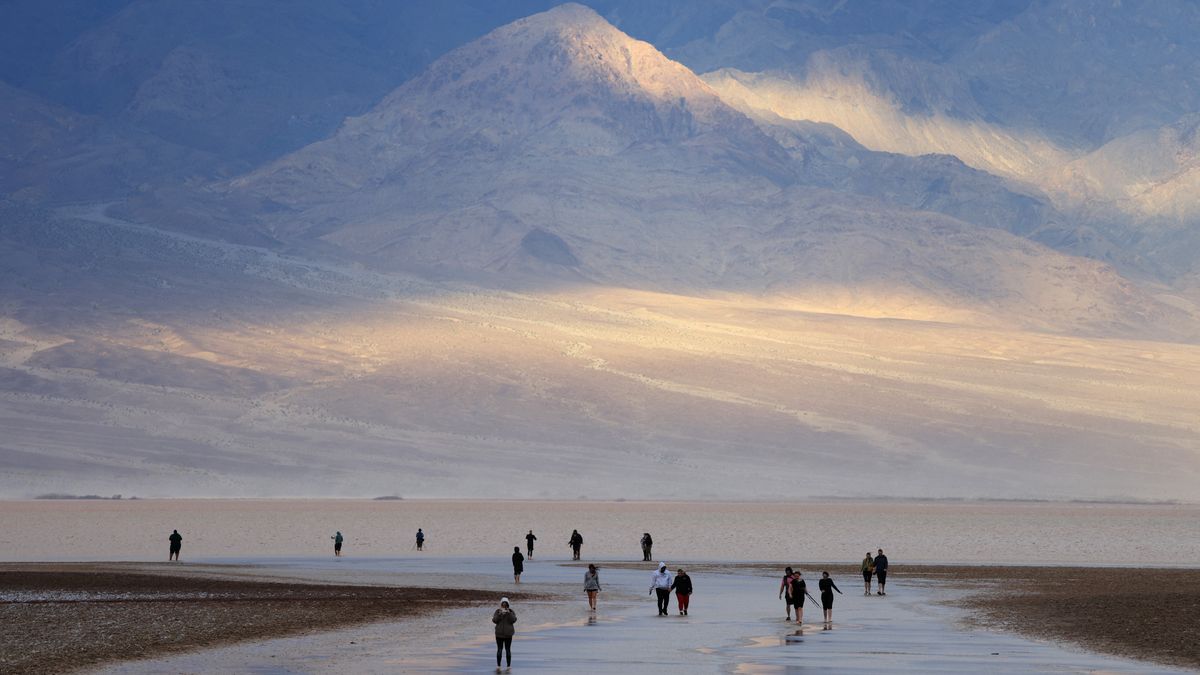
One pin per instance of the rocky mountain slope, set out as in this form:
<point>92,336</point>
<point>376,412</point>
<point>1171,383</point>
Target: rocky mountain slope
<point>558,147</point>
<point>370,251</point>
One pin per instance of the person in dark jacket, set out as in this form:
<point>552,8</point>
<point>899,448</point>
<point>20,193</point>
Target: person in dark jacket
<point>827,588</point>
<point>576,543</point>
<point>647,545</point>
<point>529,539</point>
<point>420,539</point>
<point>881,570</point>
<point>683,591</point>
<point>337,544</point>
<point>176,540</point>
<point>518,564</point>
<point>796,591</point>
<point>504,618</point>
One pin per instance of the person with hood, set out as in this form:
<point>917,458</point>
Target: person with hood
<point>797,589</point>
<point>504,618</point>
<point>647,544</point>
<point>576,543</point>
<point>420,540</point>
<point>176,540</point>
<point>827,588</point>
<point>591,584</point>
<point>529,539</point>
<point>660,583</point>
<point>518,564</point>
<point>783,589</point>
<point>337,545</point>
<point>683,591</point>
<point>868,569</point>
<point>881,570</point>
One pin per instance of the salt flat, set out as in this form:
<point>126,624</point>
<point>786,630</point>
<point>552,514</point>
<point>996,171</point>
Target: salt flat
<point>734,626</point>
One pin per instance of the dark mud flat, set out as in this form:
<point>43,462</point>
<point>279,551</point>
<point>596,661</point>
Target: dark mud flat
<point>1149,614</point>
<point>55,618</point>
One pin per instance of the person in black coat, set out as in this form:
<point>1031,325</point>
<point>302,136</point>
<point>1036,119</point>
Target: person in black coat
<point>518,564</point>
<point>683,591</point>
<point>827,588</point>
<point>881,571</point>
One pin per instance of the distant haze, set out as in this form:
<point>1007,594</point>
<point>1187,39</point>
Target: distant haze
<point>732,250</point>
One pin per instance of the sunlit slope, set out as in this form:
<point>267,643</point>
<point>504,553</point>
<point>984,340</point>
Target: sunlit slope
<point>288,377</point>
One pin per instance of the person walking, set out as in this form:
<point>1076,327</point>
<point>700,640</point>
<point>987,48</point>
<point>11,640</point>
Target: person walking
<point>683,591</point>
<point>576,543</point>
<point>176,540</point>
<point>591,584</point>
<point>420,539</point>
<point>868,569</point>
<point>647,544</point>
<point>797,589</point>
<point>504,618</point>
<point>529,539</point>
<point>337,544</point>
<point>827,588</point>
<point>881,570</point>
<point>518,564</point>
<point>660,584</point>
<point>783,591</point>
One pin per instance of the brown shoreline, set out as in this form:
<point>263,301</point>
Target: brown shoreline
<point>1143,613</point>
<point>72,616</point>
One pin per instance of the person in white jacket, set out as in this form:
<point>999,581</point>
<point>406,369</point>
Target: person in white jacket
<point>660,583</point>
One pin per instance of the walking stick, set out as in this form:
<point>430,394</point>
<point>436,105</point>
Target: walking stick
<point>810,597</point>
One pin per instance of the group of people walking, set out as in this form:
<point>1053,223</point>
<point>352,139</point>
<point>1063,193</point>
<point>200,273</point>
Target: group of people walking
<point>662,584</point>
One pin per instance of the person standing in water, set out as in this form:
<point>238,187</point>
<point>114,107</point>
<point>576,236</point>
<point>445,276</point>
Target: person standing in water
<point>504,618</point>
<point>576,543</point>
<point>529,539</point>
<point>827,588</point>
<point>868,569</point>
<point>518,564</point>
<point>647,544</point>
<point>176,540</point>
<point>797,589</point>
<point>881,570</point>
<point>660,584</point>
<point>337,544</point>
<point>420,539</point>
<point>591,584</point>
<point>683,591</point>
<point>783,590</point>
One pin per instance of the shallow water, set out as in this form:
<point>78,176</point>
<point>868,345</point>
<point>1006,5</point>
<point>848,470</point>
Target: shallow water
<point>1021,533</point>
<point>735,626</point>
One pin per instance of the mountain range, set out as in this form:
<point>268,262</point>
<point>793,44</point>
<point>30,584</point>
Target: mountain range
<point>379,250</point>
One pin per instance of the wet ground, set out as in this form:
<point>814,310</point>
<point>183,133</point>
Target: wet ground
<point>736,625</point>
